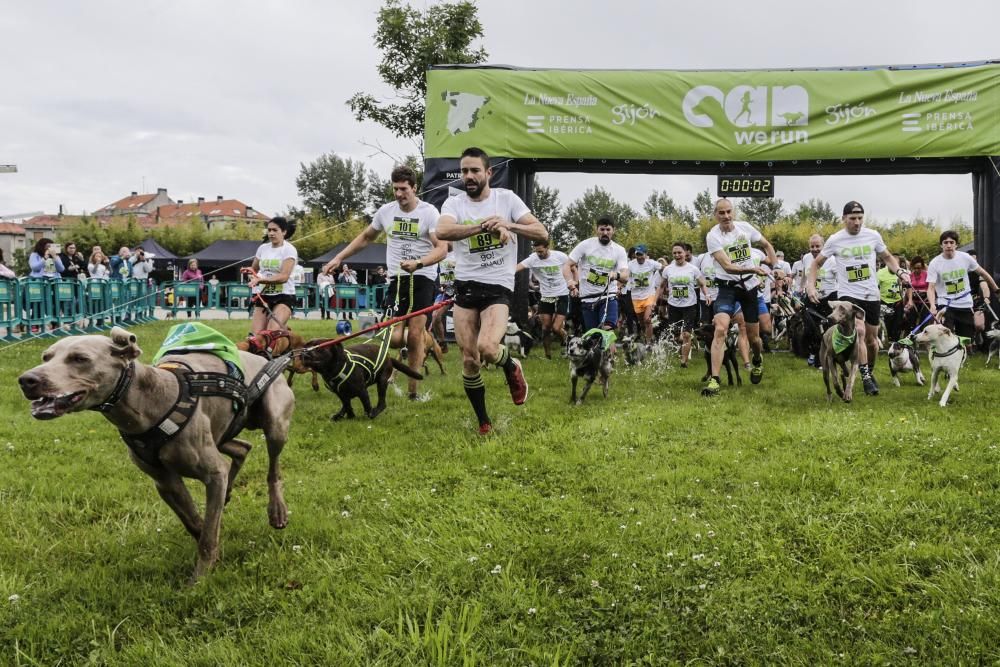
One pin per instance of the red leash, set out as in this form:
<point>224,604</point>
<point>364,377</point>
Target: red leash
<point>384,324</point>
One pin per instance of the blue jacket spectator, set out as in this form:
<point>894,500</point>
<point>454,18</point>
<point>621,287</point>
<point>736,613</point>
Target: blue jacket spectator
<point>44,260</point>
<point>121,264</point>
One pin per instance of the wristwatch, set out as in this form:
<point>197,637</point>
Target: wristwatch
<point>420,264</point>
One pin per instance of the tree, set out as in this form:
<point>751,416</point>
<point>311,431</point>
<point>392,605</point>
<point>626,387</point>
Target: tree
<point>661,206</point>
<point>581,216</point>
<point>334,187</point>
<point>761,211</point>
<point>411,40</point>
<point>815,210</point>
<point>704,205</point>
<point>545,205</point>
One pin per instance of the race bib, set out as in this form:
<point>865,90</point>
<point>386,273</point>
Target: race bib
<point>679,291</point>
<point>484,242</point>
<point>447,276</point>
<point>642,280</point>
<point>953,287</point>
<point>859,272</point>
<point>405,228</point>
<point>597,279</point>
<point>739,252</point>
<point>272,288</point>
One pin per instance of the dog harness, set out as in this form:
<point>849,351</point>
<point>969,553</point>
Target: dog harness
<point>369,367</point>
<point>960,345</point>
<point>262,343</point>
<point>191,386</point>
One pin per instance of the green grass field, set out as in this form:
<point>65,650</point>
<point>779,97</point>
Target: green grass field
<point>654,527</point>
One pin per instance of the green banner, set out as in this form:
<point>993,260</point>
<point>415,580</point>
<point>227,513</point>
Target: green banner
<point>691,115</point>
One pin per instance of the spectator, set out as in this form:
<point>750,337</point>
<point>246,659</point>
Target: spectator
<point>4,271</point>
<point>142,264</point>
<point>325,282</point>
<point>192,274</point>
<point>121,264</point>
<point>44,260</point>
<point>916,306</point>
<point>98,266</point>
<point>380,277</point>
<point>74,265</point>
<point>348,276</point>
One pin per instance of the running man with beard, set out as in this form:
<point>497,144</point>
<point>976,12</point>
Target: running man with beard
<point>738,279</point>
<point>546,266</point>
<point>483,224</point>
<point>412,249</point>
<point>856,248</point>
<point>597,267</point>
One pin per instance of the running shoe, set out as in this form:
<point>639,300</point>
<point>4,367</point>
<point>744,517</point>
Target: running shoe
<point>871,387</point>
<point>756,373</point>
<point>711,388</point>
<point>517,384</point>
<point>485,429</point>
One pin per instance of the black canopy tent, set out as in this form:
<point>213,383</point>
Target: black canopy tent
<point>370,258</point>
<point>162,258</point>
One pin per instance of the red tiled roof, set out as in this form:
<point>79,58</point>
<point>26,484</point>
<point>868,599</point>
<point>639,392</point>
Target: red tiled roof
<point>130,202</point>
<point>232,208</point>
<point>52,220</point>
<point>11,228</point>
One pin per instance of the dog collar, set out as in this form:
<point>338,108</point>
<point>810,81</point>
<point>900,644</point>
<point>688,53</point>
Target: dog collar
<point>124,381</point>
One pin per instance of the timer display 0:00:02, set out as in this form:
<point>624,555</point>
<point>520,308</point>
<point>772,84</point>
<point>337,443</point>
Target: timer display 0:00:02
<point>755,186</point>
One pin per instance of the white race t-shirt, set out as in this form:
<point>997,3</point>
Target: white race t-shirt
<point>407,234</point>
<point>269,261</point>
<point>481,257</point>
<point>707,266</point>
<point>768,281</point>
<point>642,278</point>
<point>951,279</point>
<point>595,262</point>
<point>826,275</point>
<point>681,284</point>
<point>548,273</point>
<point>856,255</point>
<point>447,275</point>
<point>736,244</point>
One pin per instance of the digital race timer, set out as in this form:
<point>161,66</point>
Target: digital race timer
<point>746,186</point>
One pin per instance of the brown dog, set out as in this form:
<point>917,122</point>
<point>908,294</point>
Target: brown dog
<point>838,353</point>
<point>348,372</point>
<point>432,350</point>
<point>278,342</point>
<point>97,372</point>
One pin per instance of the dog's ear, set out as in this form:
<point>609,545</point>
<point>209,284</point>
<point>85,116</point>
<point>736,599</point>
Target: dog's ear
<point>859,312</point>
<point>123,344</point>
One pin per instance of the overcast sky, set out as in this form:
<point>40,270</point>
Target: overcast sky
<point>103,97</point>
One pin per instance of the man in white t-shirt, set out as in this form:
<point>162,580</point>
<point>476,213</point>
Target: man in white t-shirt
<point>411,251</point>
<point>546,266</point>
<point>682,282</point>
<point>738,280</point>
<point>597,267</point>
<point>483,225</point>
<point>643,277</point>
<point>948,286</point>
<point>856,248</point>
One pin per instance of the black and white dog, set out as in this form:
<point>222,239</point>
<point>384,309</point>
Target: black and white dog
<point>518,342</point>
<point>993,336</point>
<point>589,359</point>
<point>903,359</point>
<point>635,350</point>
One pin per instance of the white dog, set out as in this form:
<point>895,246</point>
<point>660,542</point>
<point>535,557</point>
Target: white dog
<point>513,338</point>
<point>947,355</point>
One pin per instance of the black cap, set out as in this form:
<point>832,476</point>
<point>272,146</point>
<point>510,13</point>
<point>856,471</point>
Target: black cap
<point>853,207</point>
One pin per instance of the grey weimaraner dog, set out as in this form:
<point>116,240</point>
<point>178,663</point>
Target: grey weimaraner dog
<point>838,352</point>
<point>90,372</point>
